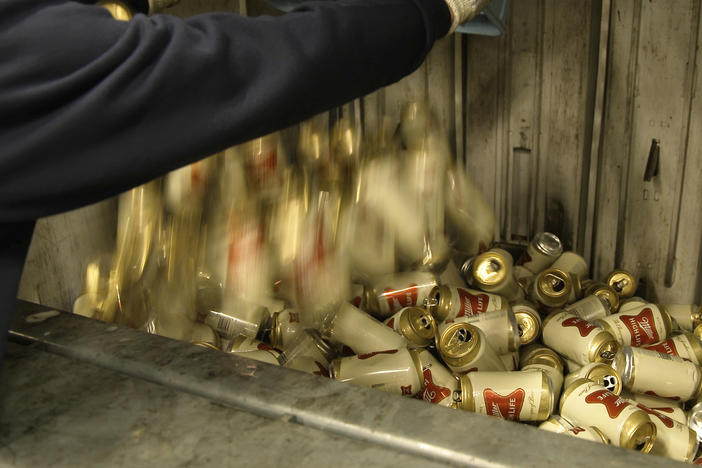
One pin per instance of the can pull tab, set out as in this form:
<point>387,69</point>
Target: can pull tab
<point>653,160</point>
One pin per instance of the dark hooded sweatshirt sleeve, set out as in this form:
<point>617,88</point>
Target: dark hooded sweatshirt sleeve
<point>90,106</point>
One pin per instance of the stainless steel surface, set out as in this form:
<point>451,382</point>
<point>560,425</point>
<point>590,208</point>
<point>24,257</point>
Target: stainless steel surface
<point>406,425</point>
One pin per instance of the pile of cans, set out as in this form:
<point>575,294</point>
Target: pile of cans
<point>367,259</point>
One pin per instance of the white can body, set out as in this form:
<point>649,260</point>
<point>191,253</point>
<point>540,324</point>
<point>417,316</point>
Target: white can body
<point>361,332</point>
<point>392,371</point>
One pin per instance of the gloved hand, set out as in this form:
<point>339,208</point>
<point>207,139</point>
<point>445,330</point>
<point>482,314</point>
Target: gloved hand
<point>464,10</point>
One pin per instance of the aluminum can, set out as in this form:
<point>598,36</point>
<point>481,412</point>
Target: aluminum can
<point>119,10</point>
<point>561,425</point>
<point>572,263</point>
<point>516,396</point>
<point>206,344</point>
<point>447,302</point>
<point>390,293</point>
<point>528,322</point>
<point>638,326</point>
<point>524,278</point>
<point>604,292</point>
<point>571,366</point>
<point>466,270</point>
<point>415,324</point>
<point>630,303</point>
<point>694,418</point>
<point>599,373</point>
<point>589,404</point>
<point>357,296</point>
<point>657,374</point>
<point>685,345</point>
<point>578,339</point>
<point>309,365</point>
<point>510,360</point>
<point>687,316</point>
<point>549,362</point>
<point>440,387</point>
<point>673,439</point>
<point>451,276</point>
<point>245,344</point>
<point>464,348</point>
<point>361,332</point>
<point>589,308</point>
<point>551,289</point>
<point>493,271</point>
<point>309,344</point>
<point>396,371</point>
<point>247,319</point>
<point>665,406</point>
<point>623,282</point>
<point>286,328</point>
<point>541,252</point>
<point>499,327</point>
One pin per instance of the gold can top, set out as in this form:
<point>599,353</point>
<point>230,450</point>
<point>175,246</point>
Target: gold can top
<point>459,343</point>
<point>553,287</point>
<point>605,439</point>
<point>622,282</point>
<point>667,319</point>
<point>528,323</point>
<point>638,432</point>
<point>548,398</point>
<point>205,344</point>
<point>695,344</point>
<point>467,402</point>
<point>418,325</point>
<point>603,374</point>
<point>438,303</point>
<point>603,348</point>
<point>119,10</point>
<point>605,293</point>
<point>276,334</point>
<point>492,267</point>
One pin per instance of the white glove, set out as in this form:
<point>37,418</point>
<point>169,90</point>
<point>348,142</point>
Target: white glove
<point>464,10</point>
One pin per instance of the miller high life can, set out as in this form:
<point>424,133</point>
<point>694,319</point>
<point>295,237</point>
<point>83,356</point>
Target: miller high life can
<point>638,326</point>
<point>464,348</point>
<point>623,283</point>
<point>440,387</point>
<point>561,425</point>
<point>415,324</point>
<point>361,332</point>
<point>604,292</point>
<point>687,316</point>
<point>254,349</point>
<point>516,396</point>
<point>551,288</point>
<point>572,263</point>
<point>499,327</point>
<point>589,308</point>
<point>247,319</point>
<point>391,293</point>
<point>684,345</point>
<point>447,302</point>
<point>451,276</point>
<point>546,360</point>
<point>666,406</point>
<point>510,360</point>
<point>493,271</point>
<point>541,252</point>
<point>528,321</point>
<point>658,374</point>
<point>286,327</point>
<point>578,339</point>
<point>599,373</point>
<point>396,371</point>
<point>589,404</point>
<point>673,439</point>
<point>630,303</point>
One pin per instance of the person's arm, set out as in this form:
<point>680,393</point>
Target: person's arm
<point>90,106</point>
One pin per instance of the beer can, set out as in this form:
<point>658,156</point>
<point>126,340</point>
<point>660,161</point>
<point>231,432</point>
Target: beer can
<point>524,278</point>
<point>246,344</point>
<point>446,302</point>
<point>604,292</point>
<point>247,319</point>
<point>309,365</point>
<point>541,252</point>
<point>587,403</point>
<point>657,374</point>
<point>415,324</point>
<point>666,406</point>
<point>599,373</point>
<point>673,439</point>
<point>357,296</point>
<point>206,344</point>
<point>464,348</point>
<point>119,10</point>
<point>309,344</point>
<point>361,332</point>
<point>466,270</point>
<point>550,364</point>
<point>571,366</point>
<point>516,396</point>
<point>551,288</point>
<point>396,371</point>
<point>694,418</point>
<point>528,321</point>
<point>578,339</point>
<point>510,360</point>
<point>390,293</point>
<point>589,308</point>
<point>440,387</point>
<point>684,345</point>
<point>451,276</point>
<point>572,263</point>
<point>499,327</point>
<point>286,327</point>
<point>638,326</point>
<point>687,316</point>
<point>623,283</point>
<point>493,271</point>
<point>630,303</point>
<point>561,425</point>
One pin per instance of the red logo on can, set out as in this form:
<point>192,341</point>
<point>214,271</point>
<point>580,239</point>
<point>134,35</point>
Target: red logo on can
<point>472,304</point>
<point>642,327</point>
<point>391,323</point>
<point>400,298</point>
<point>504,406</point>
<point>370,355</point>
<point>577,430</point>
<point>664,419</point>
<point>652,393</point>
<point>294,317</point>
<point>356,301</point>
<point>583,326</point>
<point>665,347</point>
<point>265,347</point>
<point>525,258</point>
<point>612,402</point>
<point>322,372</point>
<point>406,390</point>
<point>433,393</point>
